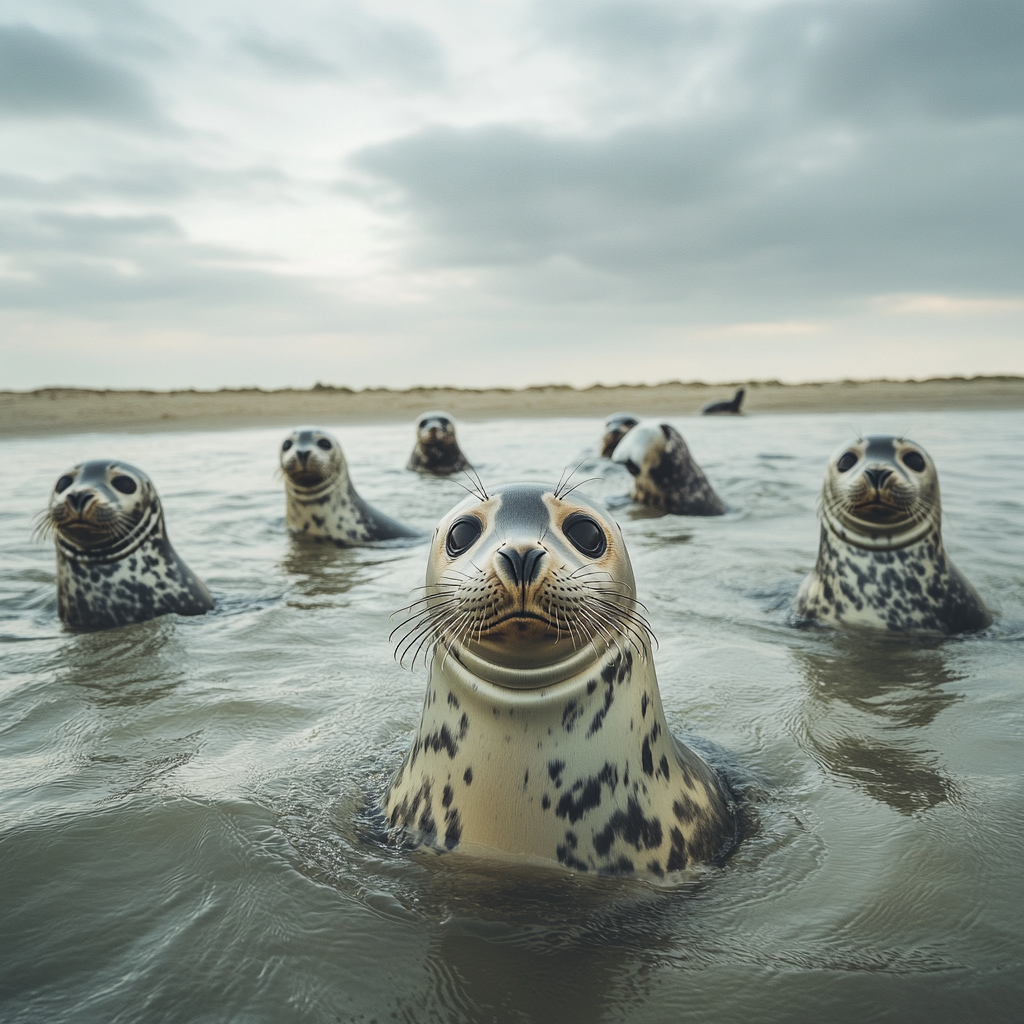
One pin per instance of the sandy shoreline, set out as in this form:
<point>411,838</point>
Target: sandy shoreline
<point>70,410</point>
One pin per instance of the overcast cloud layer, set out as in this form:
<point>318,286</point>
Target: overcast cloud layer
<point>228,193</point>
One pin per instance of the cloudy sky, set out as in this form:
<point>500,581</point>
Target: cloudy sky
<point>227,193</point>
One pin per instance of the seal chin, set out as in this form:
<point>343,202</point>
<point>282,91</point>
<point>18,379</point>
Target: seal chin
<point>84,534</point>
<point>519,672</point>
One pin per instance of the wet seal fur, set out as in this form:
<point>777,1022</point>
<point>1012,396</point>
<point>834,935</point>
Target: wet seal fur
<point>437,451</point>
<point>542,734</point>
<point>615,429</point>
<point>665,475</point>
<point>881,563</point>
<point>731,407</point>
<point>321,503</point>
<point>115,563</point>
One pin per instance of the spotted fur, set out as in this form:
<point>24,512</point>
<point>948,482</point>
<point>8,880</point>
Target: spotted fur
<point>881,563</point>
<point>665,476</point>
<point>321,503</point>
<point>115,563</point>
<point>436,451</point>
<point>542,733</point>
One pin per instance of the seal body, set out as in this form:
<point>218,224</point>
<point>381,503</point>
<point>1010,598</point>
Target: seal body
<point>437,450</point>
<point>115,563</point>
<point>732,407</point>
<point>615,429</point>
<point>665,475</point>
<point>881,563</point>
<point>542,734</point>
<point>321,503</point>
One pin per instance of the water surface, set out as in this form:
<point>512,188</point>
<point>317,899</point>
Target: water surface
<point>186,818</point>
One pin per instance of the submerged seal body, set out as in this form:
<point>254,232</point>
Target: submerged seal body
<point>615,429</point>
<point>664,473</point>
<point>437,451</point>
<point>717,408</point>
<point>321,502</point>
<point>542,734</point>
<point>115,564</point>
<point>881,563</point>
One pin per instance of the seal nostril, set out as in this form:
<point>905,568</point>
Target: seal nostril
<point>302,457</point>
<point>877,477</point>
<point>633,468</point>
<point>79,499</point>
<point>531,564</point>
<point>522,567</point>
<point>513,564</point>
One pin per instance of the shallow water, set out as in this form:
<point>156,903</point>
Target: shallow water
<point>184,825</point>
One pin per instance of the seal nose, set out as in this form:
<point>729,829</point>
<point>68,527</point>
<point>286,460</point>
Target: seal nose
<point>302,456</point>
<point>877,477</point>
<point>522,566</point>
<point>79,499</point>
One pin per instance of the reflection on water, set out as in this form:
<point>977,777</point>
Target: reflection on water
<point>189,828</point>
<point>868,697</point>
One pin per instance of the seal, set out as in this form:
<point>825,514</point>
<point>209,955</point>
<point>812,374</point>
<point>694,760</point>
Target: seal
<point>664,473</point>
<point>321,502</point>
<point>881,563</point>
<point>717,408</point>
<point>115,563</point>
<point>615,429</point>
<point>543,735</point>
<point>437,451</point>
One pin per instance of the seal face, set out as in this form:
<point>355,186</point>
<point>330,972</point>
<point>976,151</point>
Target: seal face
<point>436,451</point>
<point>321,502</point>
<point>881,563</point>
<point>664,473</point>
<point>615,429</point>
<point>542,734</point>
<point>731,407</point>
<point>115,564</point>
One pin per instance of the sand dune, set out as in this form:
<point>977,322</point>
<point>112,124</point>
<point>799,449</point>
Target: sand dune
<point>70,410</point>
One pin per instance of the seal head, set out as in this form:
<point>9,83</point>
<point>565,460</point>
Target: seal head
<point>665,475</point>
<point>321,503</point>
<point>615,429</point>
<point>881,562</point>
<point>115,564</point>
<point>437,451</point>
<point>542,734</point>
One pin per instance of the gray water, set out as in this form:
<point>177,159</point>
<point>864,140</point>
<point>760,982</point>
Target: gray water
<point>187,827</point>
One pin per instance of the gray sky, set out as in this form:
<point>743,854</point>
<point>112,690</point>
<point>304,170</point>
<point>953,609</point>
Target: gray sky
<point>230,193</point>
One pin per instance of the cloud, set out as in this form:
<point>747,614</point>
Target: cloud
<point>96,265</point>
<point>46,76</point>
<point>812,152</point>
<point>145,182</point>
<point>946,305</point>
<point>349,45</point>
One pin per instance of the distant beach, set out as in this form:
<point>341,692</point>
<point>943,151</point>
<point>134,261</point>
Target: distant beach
<point>73,410</point>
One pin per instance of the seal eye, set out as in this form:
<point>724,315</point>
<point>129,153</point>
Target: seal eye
<point>63,483</point>
<point>462,535</point>
<point>286,445</point>
<point>324,443</point>
<point>586,536</point>
<point>846,461</point>
<point>913,460</point>
<point>124,484</point>
<point>633,468</point>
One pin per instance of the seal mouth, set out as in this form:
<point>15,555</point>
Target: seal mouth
<point>878,510</point>
<point>306,478</point>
